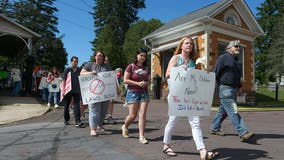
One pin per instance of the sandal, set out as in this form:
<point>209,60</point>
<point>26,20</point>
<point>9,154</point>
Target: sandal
<point>169,152</point>
<point>211,156</point>
<point>93,133</point>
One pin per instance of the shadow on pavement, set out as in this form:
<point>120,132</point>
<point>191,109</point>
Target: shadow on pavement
<point>132,131</point>
<point>9,100</point>
<point>174,137</point>
<point>239,153</point>
<point>257,137</point>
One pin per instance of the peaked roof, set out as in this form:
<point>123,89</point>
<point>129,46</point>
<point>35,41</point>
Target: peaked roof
<point>17,25</point>
<point>203,13</point>
<point>192,16</point>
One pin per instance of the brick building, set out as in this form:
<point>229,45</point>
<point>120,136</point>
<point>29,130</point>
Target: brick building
<point>212,27</point>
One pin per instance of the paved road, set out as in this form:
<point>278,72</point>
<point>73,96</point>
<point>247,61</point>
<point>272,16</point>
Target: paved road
<point>46,137</point>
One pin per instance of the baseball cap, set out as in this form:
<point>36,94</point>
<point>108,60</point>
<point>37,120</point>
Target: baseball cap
<point>233,43</point>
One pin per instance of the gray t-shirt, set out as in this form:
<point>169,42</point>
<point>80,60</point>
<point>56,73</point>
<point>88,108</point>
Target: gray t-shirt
<point>92,66</point>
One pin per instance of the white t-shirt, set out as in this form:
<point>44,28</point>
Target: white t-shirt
<point>16,74</point>
<point>54,85</point>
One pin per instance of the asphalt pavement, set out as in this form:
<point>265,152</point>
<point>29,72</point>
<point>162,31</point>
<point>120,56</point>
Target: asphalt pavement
<point>33,131</point>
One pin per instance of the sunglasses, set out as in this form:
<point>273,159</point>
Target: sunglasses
<point>237,46</point>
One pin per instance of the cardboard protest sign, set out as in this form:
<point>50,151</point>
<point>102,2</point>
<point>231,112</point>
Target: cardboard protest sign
<point>98,88</point>
<point>191,92</point>
<point>67,88</point>
<point>54,85</point>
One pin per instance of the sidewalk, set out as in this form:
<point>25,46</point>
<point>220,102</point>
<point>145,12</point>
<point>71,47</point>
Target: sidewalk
<point>14,109</point>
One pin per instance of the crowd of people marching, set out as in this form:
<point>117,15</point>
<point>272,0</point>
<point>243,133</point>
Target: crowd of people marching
<point>137,78</point>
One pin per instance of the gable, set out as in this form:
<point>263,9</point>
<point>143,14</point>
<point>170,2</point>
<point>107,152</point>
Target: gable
<point>231,14</point>
<point>10,27</point>
<point>207,16</point>
<point>188,18</point>
<point>240,8</point>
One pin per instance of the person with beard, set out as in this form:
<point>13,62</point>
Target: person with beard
<point>228,76</point>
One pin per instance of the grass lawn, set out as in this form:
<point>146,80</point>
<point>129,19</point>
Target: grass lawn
<point>265,101</point>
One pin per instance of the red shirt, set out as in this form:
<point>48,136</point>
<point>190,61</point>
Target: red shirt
<point>118,74</point>
<point>138,74</point>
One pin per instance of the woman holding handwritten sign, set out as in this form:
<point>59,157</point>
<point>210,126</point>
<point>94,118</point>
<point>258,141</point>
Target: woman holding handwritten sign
<point>184,56</point>
<point>136,76</point>
<point>97,111</point>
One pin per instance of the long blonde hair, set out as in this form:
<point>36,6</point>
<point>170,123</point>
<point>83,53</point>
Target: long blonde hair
<point>192,54</point>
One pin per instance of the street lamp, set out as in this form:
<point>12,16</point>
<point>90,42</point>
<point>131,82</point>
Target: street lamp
<point>278,80</point>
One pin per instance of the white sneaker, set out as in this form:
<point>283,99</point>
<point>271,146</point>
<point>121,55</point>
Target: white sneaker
<point>48,104</point>
<point>56,106</point>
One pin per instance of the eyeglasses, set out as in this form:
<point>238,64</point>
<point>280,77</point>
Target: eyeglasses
<point>237,46</point>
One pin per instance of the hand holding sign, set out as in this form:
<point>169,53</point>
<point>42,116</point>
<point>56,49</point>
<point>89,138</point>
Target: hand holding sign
<point>94,72</point>
<point>101,87</point>
<point>191,92</point>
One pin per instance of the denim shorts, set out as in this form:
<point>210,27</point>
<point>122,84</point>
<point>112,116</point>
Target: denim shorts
<point>134,97</point>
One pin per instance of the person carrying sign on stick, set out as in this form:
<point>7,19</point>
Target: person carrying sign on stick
<point>184,56</point>
<point>74,71</point>
<point>97,111</point>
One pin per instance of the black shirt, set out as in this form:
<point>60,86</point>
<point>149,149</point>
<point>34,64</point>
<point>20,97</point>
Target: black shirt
<point>75,86</point>
<point>228,71</point>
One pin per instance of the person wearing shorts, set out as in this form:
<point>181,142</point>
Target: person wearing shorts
<point>136,76</point>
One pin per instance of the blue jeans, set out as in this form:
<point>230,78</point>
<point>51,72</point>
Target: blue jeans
<point>55,97</point>
<point>97,113</point>
<point>16,88</point>
<point>228,107</point>
<point>44,94</point>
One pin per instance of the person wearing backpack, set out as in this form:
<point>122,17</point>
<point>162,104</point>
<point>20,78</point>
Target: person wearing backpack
<point>136,76</point>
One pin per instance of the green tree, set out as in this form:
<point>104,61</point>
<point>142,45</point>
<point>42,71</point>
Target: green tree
<point>5,7</point>
<point>133,37</point>
<point>38,15</point>
<point>268,17</point>
<point>276,51</point>
<point>59,58</point>
<point>112,20</point>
